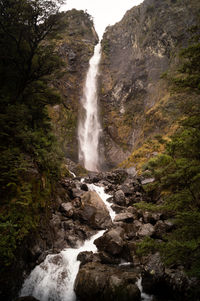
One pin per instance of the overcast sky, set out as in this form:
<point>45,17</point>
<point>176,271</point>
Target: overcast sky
<point>104,12</point>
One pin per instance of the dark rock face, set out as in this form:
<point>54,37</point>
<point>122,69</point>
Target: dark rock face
<point>136,52</point>
<point>94,212</point>
<point>96,281</point>
<point>168,282</point>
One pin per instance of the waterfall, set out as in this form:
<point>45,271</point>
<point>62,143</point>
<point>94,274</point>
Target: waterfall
<point>53,279</point>
<point>89,126</point>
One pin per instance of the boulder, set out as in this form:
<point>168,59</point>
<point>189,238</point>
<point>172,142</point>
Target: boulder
<point>119,198</point>
<point>112,241</point>
<point>146,230</point>
<point>93,211</point>
<point>126,217</point>
<point>67,209</point>
<point>84,187</point>
<point>127,189</point>
<point>106,258</point>
<point>85,257</point>
<point>130,230</point>
<point>100,282</point>
<point>117,208</point>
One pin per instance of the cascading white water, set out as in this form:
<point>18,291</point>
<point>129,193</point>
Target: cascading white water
<point>144,297</point>
<point>53,280</point>
<point>89,126</point>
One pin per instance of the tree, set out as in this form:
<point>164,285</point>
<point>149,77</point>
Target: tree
<point>24,25</point>
<point>29,155</point>
<point>177,172</point>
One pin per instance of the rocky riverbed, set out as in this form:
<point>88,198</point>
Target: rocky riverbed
<point>113,272</point>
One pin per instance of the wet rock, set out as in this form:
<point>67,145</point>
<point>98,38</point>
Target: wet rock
<point>67,209</point>
<point>59,240</point>
<point>146,230</point>
<point>119,198</point>
<point>96,281</point>
<point>84,187</point>
<point>43,256</point>
<point>74,241</point>
<point>94,212</point>
<point>112,241</point>
<point>85,257</point>
<point>106,258</point>
<point>125,217</point>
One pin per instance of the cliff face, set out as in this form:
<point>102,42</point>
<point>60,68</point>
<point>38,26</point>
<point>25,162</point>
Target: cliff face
<point>135,100</point>
<point>75,46</point>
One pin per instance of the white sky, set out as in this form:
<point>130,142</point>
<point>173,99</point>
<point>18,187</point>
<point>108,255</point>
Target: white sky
<point>104,12</point>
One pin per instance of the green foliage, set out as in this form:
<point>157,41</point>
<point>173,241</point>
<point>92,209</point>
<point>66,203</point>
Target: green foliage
<point>106,46</point>
<point>29,155</point>
<point>177,177</point>
<point>146,245</point>
<point>189,72</point>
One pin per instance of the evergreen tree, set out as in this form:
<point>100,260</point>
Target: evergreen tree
<point>177,173</point>
<point>29,156</point>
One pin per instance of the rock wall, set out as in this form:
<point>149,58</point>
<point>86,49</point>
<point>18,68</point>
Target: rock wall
<point>75,46</point>
<point>135,101</point>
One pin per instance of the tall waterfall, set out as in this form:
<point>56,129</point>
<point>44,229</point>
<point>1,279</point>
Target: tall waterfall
<point>89,126</point>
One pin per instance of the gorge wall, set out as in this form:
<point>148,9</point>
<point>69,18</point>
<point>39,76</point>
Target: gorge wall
<point>135,98</point>
<point>75,46</point>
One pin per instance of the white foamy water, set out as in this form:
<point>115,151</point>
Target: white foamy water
<point>144,297</point>
<point>89,126</point>
<point>104,196</point>
<point>53,280</point>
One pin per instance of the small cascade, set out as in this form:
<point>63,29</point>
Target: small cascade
<point>89,126</point>
<point>53,279</point>
<point>144,297</point>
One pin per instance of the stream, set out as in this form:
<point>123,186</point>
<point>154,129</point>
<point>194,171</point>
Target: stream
<point>53,279</point>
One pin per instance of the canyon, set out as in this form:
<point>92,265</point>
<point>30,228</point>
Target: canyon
<point>117,107</point>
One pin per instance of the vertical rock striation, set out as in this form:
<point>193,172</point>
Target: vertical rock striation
<point>136,52</point>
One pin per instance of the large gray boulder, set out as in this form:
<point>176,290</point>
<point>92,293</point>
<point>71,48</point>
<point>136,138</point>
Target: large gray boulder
<point>93,211</point>
<point>112,241</point>
<point>100,282</point>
